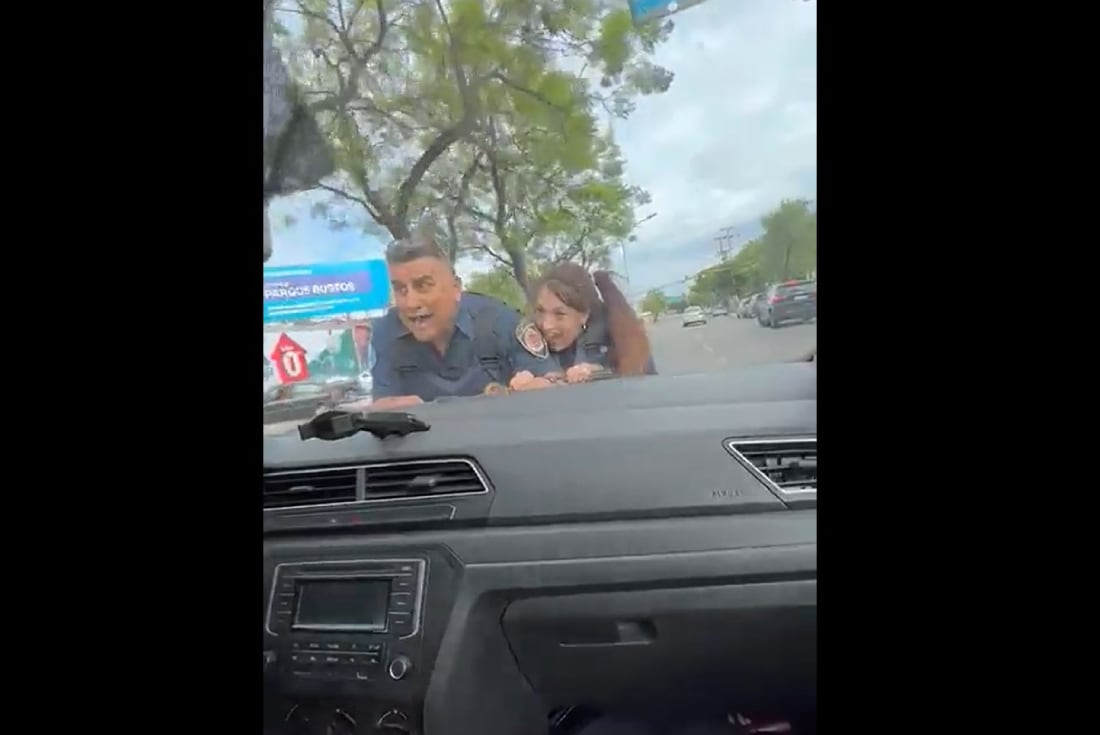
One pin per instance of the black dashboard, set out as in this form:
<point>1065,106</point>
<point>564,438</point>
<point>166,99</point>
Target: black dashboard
<point>623,543</point>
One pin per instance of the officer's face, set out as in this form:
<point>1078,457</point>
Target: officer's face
<point>559,323</point>
<point>427,294</point>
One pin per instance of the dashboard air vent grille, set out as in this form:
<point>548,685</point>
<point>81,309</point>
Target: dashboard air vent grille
<point>430,478</point>
<point>787,466</point>
<point>418,479</point>
<point>295,488</point>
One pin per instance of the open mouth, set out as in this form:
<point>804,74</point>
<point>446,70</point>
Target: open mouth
<point>419,321</point>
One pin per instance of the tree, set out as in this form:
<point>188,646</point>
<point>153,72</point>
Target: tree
<point>538,210</point>
<point>477,120</point>
<point>789,242</point>
<point>499,284</point>
<point>745,269</point>
<point>787,249</point>
<point>654,302</point>
<point>713,285</point>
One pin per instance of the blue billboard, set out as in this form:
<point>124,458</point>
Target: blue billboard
<point>643,10</point>
<point>294,292</point>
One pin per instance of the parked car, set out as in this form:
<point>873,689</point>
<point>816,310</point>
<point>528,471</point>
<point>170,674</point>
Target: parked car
<point>790,301</point>
<point>744,309</point>
<point>758,302</point>
<point>720,310</point>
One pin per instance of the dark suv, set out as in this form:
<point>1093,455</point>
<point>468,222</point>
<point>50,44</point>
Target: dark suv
<point>790,301</point>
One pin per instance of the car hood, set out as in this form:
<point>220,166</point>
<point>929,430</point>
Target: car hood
<point>756,384</point>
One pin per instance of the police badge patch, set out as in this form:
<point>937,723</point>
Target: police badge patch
<point>532,340</point>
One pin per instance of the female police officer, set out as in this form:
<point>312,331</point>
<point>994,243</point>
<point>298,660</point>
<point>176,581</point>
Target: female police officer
<point>588,325</point>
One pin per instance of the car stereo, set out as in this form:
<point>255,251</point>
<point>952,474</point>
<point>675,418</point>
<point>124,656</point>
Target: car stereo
<point>346,620</point>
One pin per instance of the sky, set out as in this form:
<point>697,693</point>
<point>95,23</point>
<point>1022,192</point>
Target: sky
<point>734,135</point>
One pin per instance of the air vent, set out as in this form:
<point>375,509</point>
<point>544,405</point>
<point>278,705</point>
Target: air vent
<point>376,482</point>
<point>295,488</point>
<point>419,479</point>
<point>787,466</point>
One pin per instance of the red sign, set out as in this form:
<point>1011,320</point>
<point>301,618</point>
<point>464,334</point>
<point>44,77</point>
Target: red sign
<point>289,359</point>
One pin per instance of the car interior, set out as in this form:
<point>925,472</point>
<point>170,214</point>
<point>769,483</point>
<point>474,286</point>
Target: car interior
<point>532,563</point>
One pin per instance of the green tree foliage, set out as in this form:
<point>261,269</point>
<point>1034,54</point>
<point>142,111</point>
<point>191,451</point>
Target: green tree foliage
<point>479,120</point>
<point>499,284</point>
<point>787,249</point>
<point>712,286</point>
<point>654,302</point>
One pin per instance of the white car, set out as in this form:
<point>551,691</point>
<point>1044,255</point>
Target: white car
<point>694,315</point>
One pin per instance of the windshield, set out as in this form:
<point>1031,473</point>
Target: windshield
<point>541,187</point>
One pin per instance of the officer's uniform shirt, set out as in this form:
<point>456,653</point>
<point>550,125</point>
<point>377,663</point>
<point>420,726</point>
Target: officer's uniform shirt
<point>594,347</point>
<point>486,348</point>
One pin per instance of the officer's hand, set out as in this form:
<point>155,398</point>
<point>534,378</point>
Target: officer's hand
<point>525,380</point>
<point>581,373</point>
<point>392,403</point>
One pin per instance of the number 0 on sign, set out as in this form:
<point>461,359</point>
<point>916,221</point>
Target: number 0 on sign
<point>293,365</point>
<point>289,359</point>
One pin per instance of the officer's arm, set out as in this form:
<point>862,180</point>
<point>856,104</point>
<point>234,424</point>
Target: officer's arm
<point>519,358</point>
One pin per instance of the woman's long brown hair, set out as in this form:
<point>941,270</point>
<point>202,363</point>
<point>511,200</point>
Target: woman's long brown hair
<point>571,283</point>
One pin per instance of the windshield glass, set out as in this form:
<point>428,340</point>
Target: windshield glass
<point>463,196</point>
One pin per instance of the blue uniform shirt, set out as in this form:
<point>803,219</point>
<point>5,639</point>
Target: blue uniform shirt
<point>484,349</point>
<point>567,358</point>
<point>594,347</point>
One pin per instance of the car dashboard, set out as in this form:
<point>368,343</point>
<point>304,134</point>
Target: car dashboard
<point>619,544</point>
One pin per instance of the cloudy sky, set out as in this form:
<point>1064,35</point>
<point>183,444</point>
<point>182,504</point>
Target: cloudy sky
<point>734,135</point>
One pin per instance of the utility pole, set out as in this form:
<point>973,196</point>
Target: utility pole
<point>724,241</point>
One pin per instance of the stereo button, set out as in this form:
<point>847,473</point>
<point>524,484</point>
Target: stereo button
<point>401,623</point>
<point>399,667</point>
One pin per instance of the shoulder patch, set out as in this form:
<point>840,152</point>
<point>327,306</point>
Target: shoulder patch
<point>531,339</point>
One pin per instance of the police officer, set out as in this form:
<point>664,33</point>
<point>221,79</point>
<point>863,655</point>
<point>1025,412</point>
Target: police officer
<point>589,327</point>
<point>438,341</point>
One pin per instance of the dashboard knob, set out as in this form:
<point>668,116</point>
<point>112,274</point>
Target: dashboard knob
<point>399,667</point>
<point>393,720</point>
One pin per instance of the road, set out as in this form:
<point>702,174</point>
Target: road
<point>725,342</point>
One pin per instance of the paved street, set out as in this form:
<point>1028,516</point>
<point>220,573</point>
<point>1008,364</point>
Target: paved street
<point>725,342</point>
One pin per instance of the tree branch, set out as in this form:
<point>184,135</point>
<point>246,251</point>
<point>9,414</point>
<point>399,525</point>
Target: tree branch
<point>530,92</point>
<point>448,136</point>
<point>370,202</point>
<point>460,200</point>
<point>349,88</point>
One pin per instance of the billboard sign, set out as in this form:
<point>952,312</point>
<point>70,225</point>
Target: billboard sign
<point>297,292</point>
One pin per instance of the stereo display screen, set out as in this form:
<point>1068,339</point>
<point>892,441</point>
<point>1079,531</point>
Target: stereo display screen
<point>359,604</point>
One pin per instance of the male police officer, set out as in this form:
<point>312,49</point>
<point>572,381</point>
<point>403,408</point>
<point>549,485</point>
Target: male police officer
<point>438,341</point>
